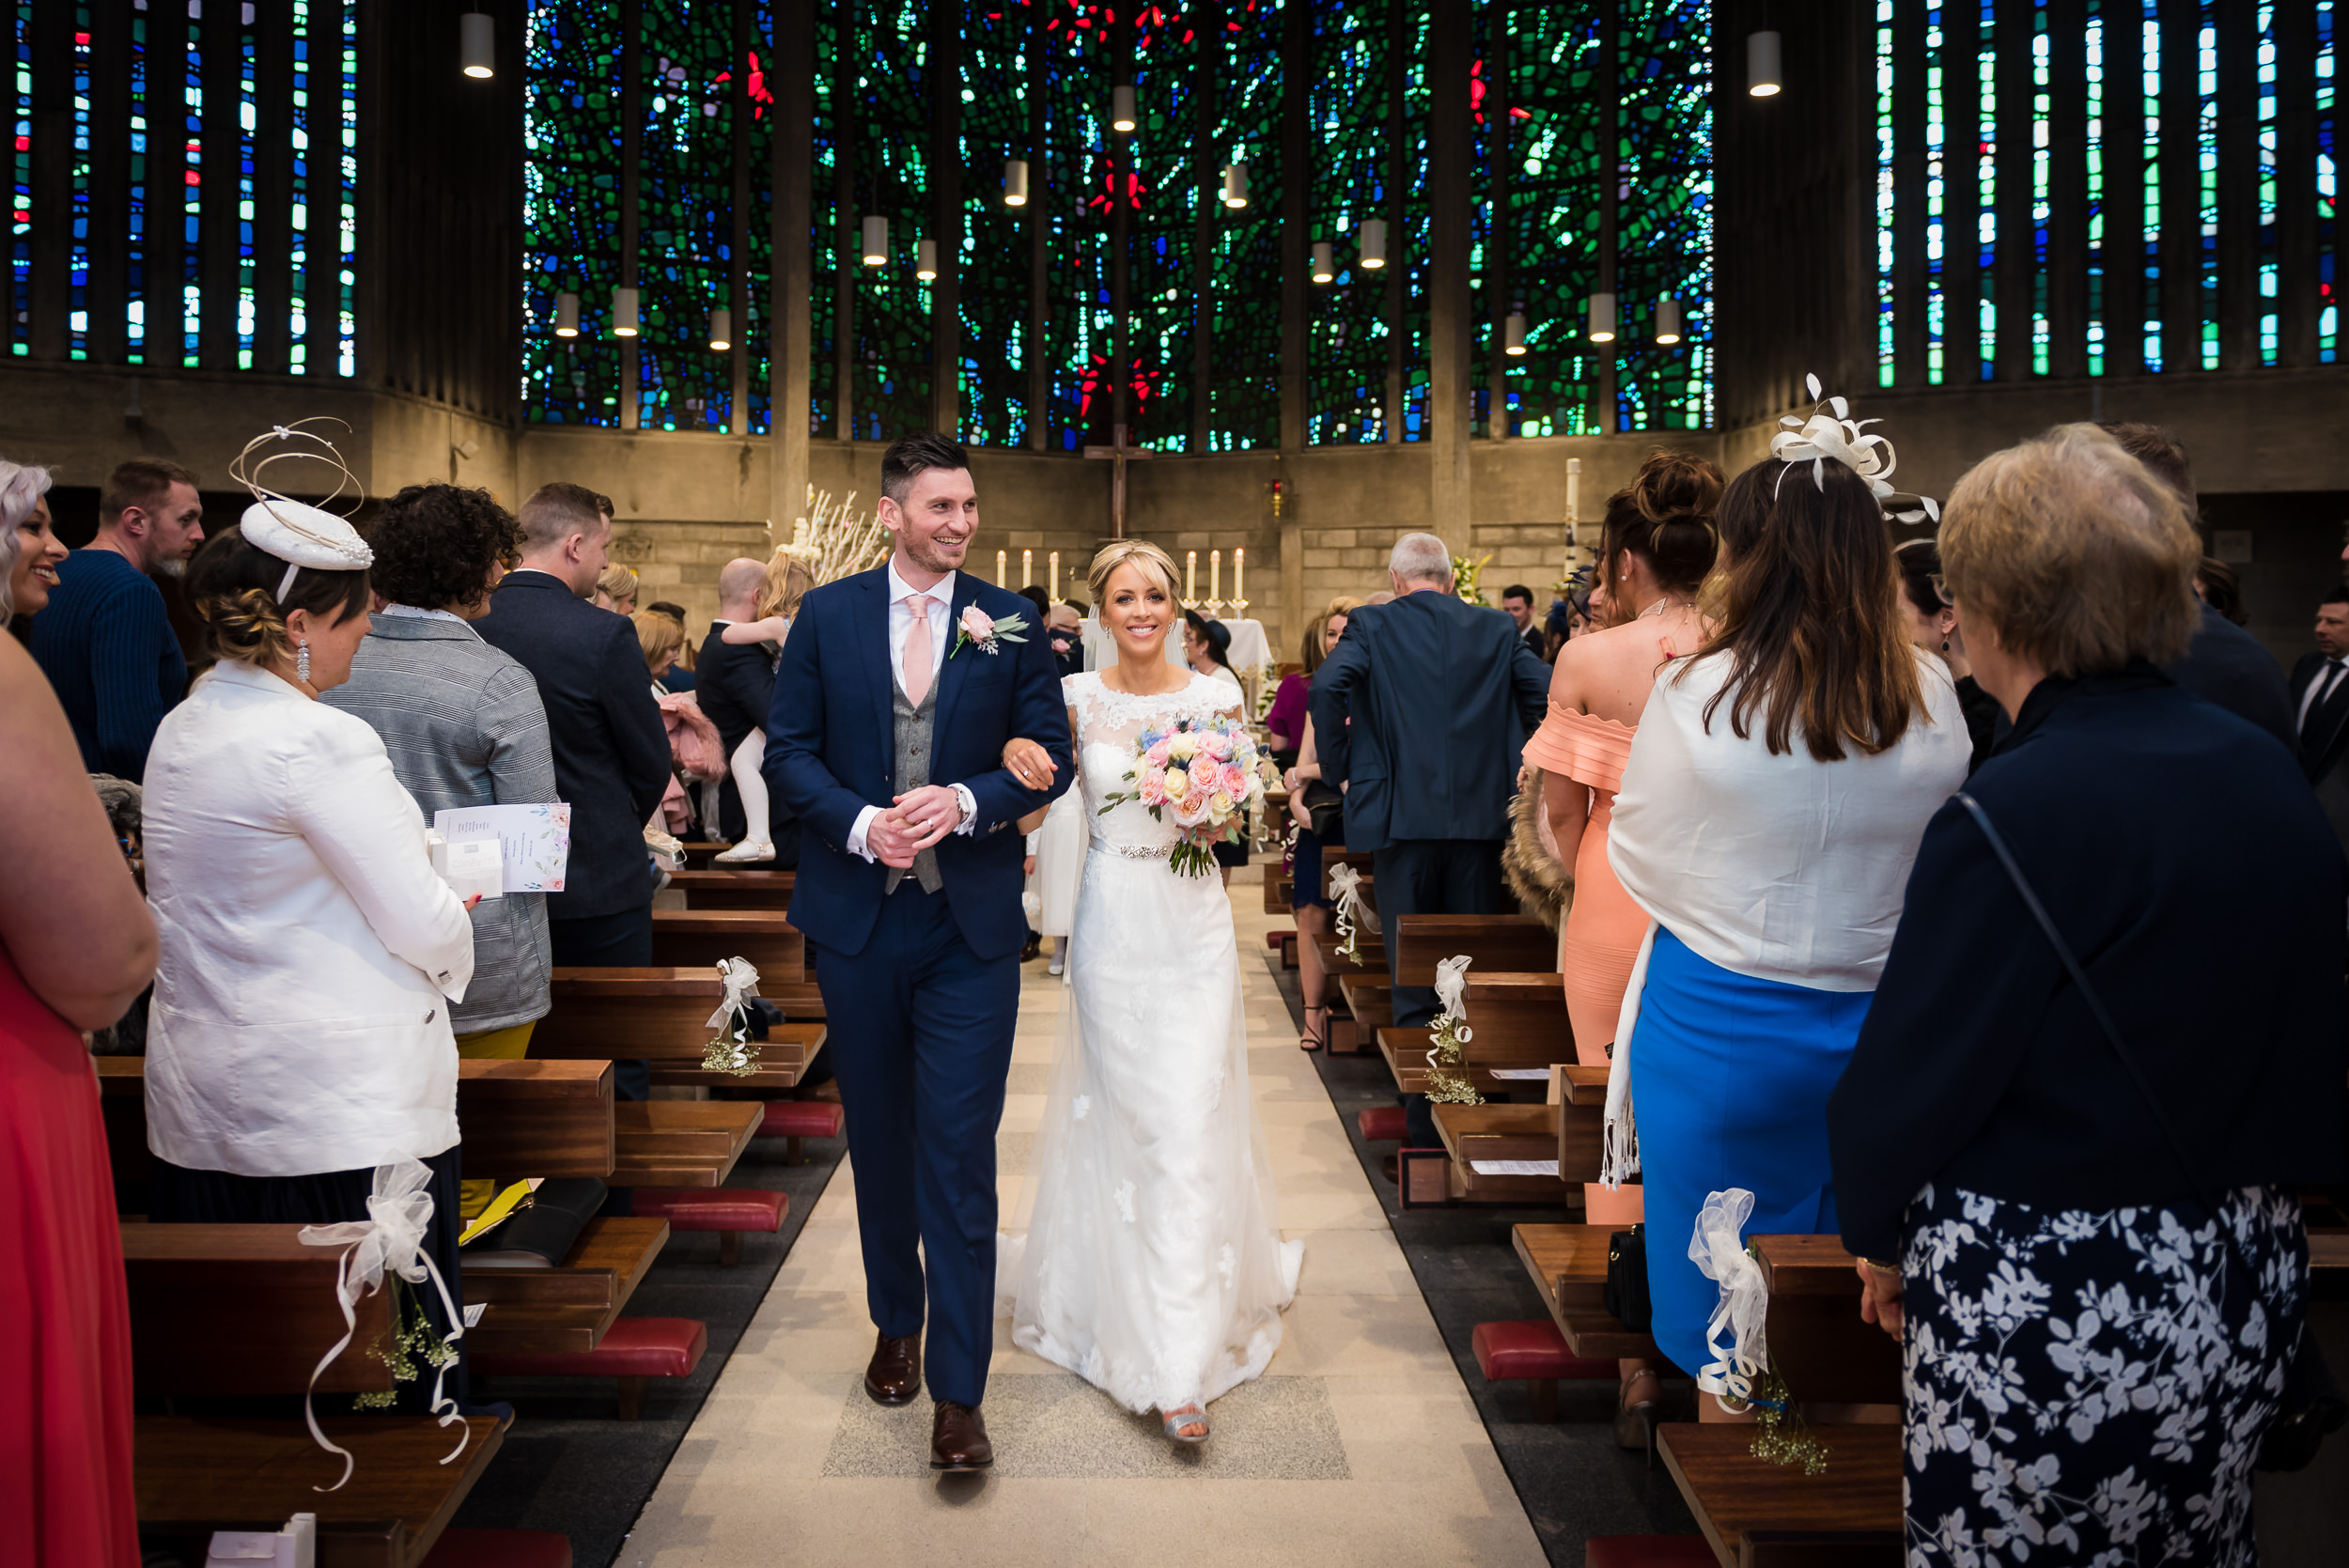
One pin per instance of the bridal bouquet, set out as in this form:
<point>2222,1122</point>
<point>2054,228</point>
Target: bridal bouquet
<point>1208,774</point>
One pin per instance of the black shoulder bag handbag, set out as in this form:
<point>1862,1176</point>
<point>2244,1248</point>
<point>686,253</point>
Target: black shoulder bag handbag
<point>2312,1404</point>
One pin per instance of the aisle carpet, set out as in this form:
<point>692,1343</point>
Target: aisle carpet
<point>569,1466</point>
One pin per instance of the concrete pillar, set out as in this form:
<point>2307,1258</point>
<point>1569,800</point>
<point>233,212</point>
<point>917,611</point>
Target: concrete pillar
<point>1448,334</point>
<point>791,146</point>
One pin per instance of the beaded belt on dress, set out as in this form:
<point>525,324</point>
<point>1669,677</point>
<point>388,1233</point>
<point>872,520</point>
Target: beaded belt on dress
<point>1136,851</point>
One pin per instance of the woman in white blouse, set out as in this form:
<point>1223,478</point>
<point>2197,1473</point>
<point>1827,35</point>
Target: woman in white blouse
<point>1776,792</point>
<point>299,1035</point>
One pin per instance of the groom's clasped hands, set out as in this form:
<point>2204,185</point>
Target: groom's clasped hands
<point>919,818</point>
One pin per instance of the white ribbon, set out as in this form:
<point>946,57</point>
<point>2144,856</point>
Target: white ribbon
<point>389,1241</point>
<point>1836,436</point>
<point>1345,887</point>
<point>1452,991</point>
<point>742,983</point>
<point>1717,1249</point>
<point>1619,1144</point>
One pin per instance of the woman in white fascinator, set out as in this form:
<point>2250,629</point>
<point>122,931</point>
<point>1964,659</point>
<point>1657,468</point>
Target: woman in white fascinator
<point>310,954</point>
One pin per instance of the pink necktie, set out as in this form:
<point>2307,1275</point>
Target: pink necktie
<point>917,650</point>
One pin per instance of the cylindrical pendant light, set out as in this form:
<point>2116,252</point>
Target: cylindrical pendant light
<point>722,329</point>
<point>925,259</point>
<point>1512,334</point>
<point>1667,321</point>
<point>1374,242</point>
<point>567,315</point>
<point>1322,269</point>
<point>478,44</point>
<point>1761,74</point>
<point>876,240</point>
<point>1122,109</point>
<point>1602,318</point>
<point>1236,185</point>
<point>624,313</point>
<point>1016,182</point>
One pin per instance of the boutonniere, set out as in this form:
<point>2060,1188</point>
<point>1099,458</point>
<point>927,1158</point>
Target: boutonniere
<point>982,632</point>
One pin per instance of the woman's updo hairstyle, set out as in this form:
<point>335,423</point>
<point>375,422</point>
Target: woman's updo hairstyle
<point>1665,516</point>
<point>233,587</point>
<point>1145,557</point>
<point>1920,562</point>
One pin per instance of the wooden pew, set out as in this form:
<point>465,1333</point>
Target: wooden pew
<point>1568,1264</point>
<point>567,1307</point>
<point>661,1015</point>
<point>1499,943</point>
<point>1818,1343</point>
<point>728,888</point>
<point>1517,1027</point>
<point>194,1476</point>
<point>1755,1514</point>
<point>242,1310</point>
<point>681,1142</point>
<point>1369,1007</point>
<point>687,937</point>
<point>1505,1132</point>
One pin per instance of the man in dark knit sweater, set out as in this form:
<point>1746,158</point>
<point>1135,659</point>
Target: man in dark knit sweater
<point>104,639</point>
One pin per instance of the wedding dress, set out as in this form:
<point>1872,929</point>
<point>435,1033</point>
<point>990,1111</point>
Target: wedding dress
<point>1151,1265</point>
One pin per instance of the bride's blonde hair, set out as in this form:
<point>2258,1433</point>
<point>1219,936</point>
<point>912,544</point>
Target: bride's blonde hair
<point>1149,558</point>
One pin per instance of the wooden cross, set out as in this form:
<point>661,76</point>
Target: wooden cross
<point>1117,452</point>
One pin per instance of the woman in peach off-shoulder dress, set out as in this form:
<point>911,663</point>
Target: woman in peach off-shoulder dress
<point>1657,546</point>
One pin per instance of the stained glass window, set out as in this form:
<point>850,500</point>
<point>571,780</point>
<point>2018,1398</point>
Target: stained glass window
<point>992,266</point>
<point>21,179</point>
<point>2328,190</point>
<point>1346,345</point>
<point>1244,246</point>
<point>685,197</point>
<point>891,390</point>
<point>1664,224</point>
<point>571,166</point>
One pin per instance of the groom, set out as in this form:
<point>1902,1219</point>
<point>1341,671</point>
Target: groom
<point>886,740</point>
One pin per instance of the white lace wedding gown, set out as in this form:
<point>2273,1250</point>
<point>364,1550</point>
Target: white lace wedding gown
<point>1151,1265</point>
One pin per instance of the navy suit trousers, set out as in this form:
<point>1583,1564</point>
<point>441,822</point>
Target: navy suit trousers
<point>920,1075</point>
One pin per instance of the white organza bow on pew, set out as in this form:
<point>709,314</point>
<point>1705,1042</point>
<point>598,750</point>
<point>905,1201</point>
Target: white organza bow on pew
<point>389,1241</point>
<point>1718,1247</point>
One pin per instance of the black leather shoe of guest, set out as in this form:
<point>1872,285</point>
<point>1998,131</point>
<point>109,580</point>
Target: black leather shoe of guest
<point>958,1439</point>
<point>894,1374</point>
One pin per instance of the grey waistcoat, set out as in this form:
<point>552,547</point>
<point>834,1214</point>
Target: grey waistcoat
<point>914,771</point>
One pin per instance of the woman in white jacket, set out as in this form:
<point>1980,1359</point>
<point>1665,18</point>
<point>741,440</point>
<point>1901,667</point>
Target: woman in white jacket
<point>299,1035</point>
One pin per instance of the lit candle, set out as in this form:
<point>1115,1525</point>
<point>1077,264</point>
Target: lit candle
<point>1027,567</point>
<point>1003,568</point>
<point>1239,566</point>
<point>1190,577</point>
<point>1054,561</point>
<point>1215,577</point>
<point>1574,490</point>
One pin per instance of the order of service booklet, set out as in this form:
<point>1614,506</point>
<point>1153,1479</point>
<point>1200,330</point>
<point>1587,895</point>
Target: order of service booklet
<point>536,840</point>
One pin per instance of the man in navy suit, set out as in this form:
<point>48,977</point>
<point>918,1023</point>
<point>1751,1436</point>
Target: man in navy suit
<point>611,749</point>
<point>886,737</point>
<point>1440,694</point>
<point>2320,703</point>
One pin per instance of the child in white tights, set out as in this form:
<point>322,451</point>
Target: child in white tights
<point>786,579</point>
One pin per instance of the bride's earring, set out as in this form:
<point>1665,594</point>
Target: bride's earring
<point>302,662</point>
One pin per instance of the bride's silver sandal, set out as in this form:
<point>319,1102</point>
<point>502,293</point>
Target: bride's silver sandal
<point>1178,1420</point>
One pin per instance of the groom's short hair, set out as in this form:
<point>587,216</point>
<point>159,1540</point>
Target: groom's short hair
<point>907,459</point>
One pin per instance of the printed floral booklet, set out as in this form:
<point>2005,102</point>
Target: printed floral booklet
<point>535,839</point>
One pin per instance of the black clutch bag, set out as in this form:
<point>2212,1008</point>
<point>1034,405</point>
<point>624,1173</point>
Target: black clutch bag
<point>1325,811</point>
<point>1627,1279</point>
<point>543,1228</point>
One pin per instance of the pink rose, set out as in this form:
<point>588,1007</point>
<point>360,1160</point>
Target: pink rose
<point>1234,783</point>
<point>977,624</point>
<point>1219,746</point>
<point>1204,773</point>
<point>1153,789</point>
<point>1157,755</point>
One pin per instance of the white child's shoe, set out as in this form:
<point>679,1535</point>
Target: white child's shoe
<point>746,853</point>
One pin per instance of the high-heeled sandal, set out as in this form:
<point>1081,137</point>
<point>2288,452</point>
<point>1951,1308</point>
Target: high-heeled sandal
<point>1635,1423</point>
<point>1311,1039</point>
<point>1192,1415</point>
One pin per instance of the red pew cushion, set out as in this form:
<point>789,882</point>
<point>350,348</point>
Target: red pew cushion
<point>500,1549</point>
<point>1380,1123</point>
<point>800,1119</point>
<point>1639,1551</point>
<point>1505,1351</point>
<point>631,1347</point>
<point>713,1208</point>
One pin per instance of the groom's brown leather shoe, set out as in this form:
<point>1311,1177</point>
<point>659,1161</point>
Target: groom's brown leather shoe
<point>894,1374</point>
<point>958,1439</point>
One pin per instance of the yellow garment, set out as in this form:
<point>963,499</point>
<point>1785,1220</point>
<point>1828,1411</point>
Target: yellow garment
<point>495,1044</point>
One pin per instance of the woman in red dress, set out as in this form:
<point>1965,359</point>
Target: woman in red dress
<point>76,946</point>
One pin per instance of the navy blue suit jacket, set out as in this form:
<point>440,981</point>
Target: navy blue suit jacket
<point>1442,695</point>
<point>832,751</point>
<point>611,749</point>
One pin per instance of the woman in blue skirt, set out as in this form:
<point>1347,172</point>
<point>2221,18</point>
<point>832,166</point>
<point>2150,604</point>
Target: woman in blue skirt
<point>1780,780</point>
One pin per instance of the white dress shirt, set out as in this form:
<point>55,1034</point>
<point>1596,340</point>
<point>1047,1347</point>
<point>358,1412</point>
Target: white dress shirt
<point>309,954</point>
<point>940,608</point>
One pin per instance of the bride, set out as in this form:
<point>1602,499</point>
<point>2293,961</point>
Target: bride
<point>1151,1267</point>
